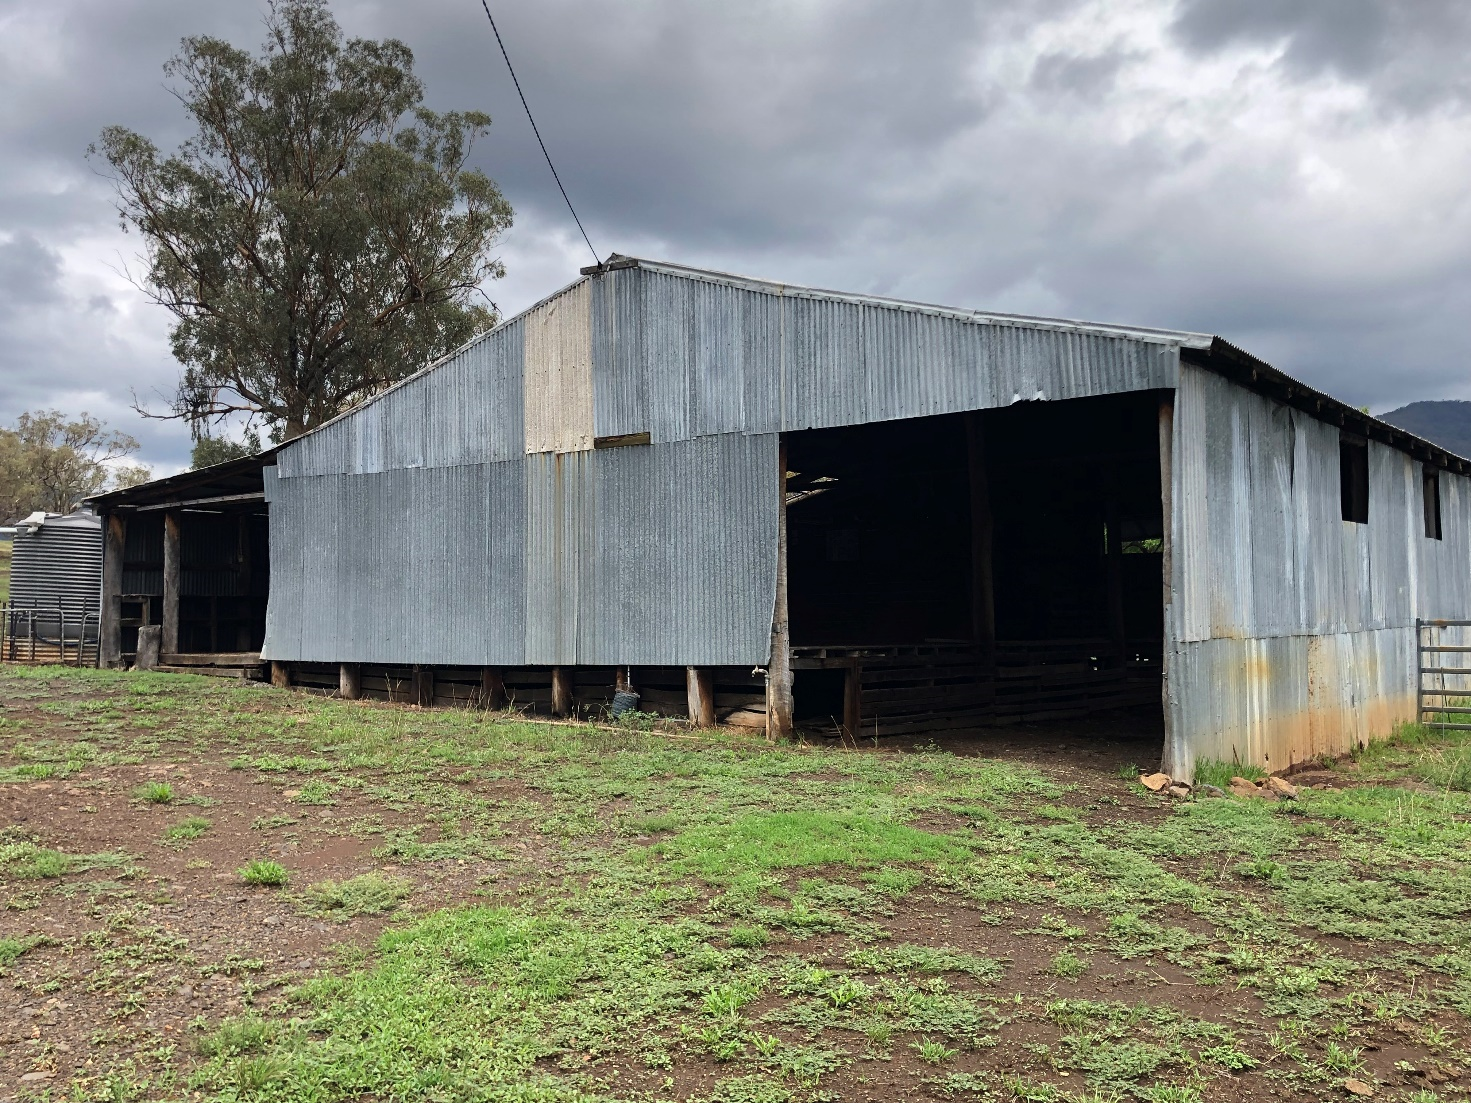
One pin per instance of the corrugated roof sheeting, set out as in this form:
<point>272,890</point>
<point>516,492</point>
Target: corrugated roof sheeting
<point>1291,628</point>
<point>650,556</point>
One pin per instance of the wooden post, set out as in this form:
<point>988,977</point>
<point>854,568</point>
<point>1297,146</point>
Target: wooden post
<point>242,585</point>
<point>982,584</point>
<point>561,691</point>
<point>852,699</point>
<point>280,675</point>
<point>172,573</point>
<point>1171,763</point>
<point>423,686</point>
<point>110,629</point>
<point>779,670</point>
<point>1114,570</point>
<point>350,681</point>
<point>700,693</point>
<point>492,688</point>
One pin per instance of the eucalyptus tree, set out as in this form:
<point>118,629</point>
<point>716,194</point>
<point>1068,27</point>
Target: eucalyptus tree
<point>319,235</point>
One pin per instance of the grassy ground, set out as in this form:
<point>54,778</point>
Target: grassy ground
<point>233,892</point>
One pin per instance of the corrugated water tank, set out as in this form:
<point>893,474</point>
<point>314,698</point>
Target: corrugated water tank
<point>56,564</point>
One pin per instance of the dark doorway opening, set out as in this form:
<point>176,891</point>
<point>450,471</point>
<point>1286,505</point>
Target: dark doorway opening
<point>972,569</point>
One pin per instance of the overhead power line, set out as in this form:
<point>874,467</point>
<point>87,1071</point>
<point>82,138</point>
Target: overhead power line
<point>501,43</point>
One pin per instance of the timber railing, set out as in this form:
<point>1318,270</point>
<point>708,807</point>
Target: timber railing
<point>34,633</point>
<point>1443,674</point>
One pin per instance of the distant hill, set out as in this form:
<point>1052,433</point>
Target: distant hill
<point>1446,423</point>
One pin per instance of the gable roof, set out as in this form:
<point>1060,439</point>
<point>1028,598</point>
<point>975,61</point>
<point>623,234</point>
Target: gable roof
<point>1201,349</point>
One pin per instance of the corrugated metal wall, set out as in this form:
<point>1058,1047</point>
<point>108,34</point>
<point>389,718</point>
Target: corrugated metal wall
<point>637,350</point>
<point>1292,630</point>
<point>650,556</point>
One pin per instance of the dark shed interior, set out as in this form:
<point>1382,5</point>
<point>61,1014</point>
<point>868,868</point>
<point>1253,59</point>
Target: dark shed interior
<point>966,569</point>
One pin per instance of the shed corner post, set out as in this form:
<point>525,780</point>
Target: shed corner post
<point>350,681</point>
<point>562,700</point>
<point>700,696</point>
<point>779,670</point>
<point>172,572</point>
<point>1174,757</point>
<point>110,614</point>
<point>492,687</point>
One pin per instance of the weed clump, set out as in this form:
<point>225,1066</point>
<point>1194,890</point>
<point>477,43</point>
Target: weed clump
<point>367,894</point>
<point>187,830</point>
<point>262,872</point>
<point>154,792</point>
<point>1209,771</point>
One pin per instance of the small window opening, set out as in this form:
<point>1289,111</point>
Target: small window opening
<point>1430,481</point>
<point>1353,479</point>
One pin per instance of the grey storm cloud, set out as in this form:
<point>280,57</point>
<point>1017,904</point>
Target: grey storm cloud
<point>1286,173</point>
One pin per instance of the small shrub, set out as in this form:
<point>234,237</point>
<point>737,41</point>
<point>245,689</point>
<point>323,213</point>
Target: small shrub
<point>262,872</point>
<point>154,792</point>
<point>367,894</point>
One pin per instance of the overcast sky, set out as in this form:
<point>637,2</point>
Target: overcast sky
<point>1290,174</point>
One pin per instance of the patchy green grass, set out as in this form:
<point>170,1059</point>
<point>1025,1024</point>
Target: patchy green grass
<point>622,915</point>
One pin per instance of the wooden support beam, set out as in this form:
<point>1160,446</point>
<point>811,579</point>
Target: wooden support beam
<point>492,688</point>
<point>350,681</point>
<point>172,577</point>
<point>700,692</point>
<point>1172,754</point>
<point>242,588</point>
<point>562,691</point>
<point>110,628</point>
<point>280,675</point>
<point>423,686</point>
<point>1114,568</point>
<point>779,670</point>
<point>853,700</point>
<point>982,587</point>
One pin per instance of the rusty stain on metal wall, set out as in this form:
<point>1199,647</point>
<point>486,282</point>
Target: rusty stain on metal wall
<point>1291,631</point>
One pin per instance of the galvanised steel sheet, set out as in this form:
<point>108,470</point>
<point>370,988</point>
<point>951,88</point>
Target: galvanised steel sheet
<point>649,556</point>
<point>681,354</point>
<point>466,409</point>
<point>1282,700</point>
<point>1291,630</point>
<point>1261,546</point>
